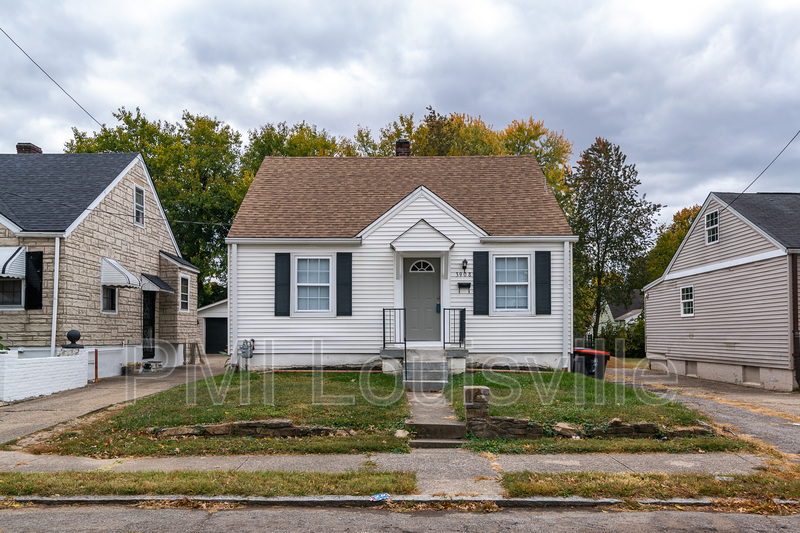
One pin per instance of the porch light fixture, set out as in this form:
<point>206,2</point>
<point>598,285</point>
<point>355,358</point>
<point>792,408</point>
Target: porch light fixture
<point>464,264</point>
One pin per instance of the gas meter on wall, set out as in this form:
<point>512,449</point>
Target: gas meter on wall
<point>247,349</point>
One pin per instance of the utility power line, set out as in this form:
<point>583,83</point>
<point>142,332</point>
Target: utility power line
<point>49,76</point>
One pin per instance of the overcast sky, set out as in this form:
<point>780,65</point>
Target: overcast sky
<point>700,95</point>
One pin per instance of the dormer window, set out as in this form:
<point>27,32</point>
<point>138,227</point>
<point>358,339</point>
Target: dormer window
<point>138,206</point>
<point>712,227</point>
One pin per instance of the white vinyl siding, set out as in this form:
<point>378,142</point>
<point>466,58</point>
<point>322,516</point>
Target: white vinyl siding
<point>742,319</point>
<point>377,284</point>
<point>738,239</point>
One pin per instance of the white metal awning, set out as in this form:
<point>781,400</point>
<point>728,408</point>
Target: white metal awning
<point>12,261</point>
<point>112,274</point>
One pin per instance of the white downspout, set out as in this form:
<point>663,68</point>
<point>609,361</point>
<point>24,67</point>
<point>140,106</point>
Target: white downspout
<point>56,262</point>
<point>567,334</point>
<point>233,301</point>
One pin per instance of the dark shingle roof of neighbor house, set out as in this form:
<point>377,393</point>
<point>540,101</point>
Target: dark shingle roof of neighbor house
<point>620,310</point>
<point>327,197</point>
<point>47,192</point>
<point>777,214</point>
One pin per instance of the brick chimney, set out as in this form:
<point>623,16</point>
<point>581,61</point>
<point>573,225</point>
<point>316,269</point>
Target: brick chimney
<point>402,147</point>
<point>28,148</point>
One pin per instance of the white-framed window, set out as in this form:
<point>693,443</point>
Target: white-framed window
<point>313,289</point>
<point>138,206</point>
<point>12,293</point>
<point>687,301</point>
<point>109,300</point>
<point>712,227</point>
<point>184,296</point>
<point>511,287</point>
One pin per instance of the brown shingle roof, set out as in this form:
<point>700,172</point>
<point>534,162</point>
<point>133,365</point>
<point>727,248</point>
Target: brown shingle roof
<point>323,197</point>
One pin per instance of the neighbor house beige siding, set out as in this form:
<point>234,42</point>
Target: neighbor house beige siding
<point>108,231</point>
<point>740,317</point>
<point>736,239</point>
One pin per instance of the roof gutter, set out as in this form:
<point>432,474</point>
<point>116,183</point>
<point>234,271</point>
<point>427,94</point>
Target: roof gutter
<point>350,241</point>
<point>528,238</point>
<point>46,234</point>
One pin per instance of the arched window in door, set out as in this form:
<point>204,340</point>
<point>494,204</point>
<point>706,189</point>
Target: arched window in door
<point>421,266</point>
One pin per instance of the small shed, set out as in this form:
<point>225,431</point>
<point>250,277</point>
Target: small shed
<point>213,326</point>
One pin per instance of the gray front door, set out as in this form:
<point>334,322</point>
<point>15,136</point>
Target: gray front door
<point>421,293</point>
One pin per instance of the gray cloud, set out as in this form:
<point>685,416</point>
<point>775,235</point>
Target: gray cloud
<point>700,96</point>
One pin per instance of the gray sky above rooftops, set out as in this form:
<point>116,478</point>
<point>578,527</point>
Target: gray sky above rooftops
<point>699,95</point>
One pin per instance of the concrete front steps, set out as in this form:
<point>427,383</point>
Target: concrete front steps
<point>425,371</point>
<point>433,422</point>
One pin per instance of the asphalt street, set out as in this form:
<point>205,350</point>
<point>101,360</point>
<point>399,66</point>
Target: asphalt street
<point>116,518</point>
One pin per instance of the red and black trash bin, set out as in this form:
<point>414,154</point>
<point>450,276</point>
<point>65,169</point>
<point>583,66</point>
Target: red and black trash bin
<point>589,362</point>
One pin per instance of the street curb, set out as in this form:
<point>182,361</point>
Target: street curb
<point>362,501</point>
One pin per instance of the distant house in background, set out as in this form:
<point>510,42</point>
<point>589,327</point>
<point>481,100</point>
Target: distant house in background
<point>726,307</point>
<point>85,245</point>
<point>213,326</point>
<point>620,314</point>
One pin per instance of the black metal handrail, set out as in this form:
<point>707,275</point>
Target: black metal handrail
<point>394,331</point>
<point>454,332</point>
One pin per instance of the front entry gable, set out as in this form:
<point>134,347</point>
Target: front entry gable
<point>422,237</point>
<point>424,204</point>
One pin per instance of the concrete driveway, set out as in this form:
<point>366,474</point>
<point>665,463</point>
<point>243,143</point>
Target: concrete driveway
<point>771,417</point>
<point>22,418</point>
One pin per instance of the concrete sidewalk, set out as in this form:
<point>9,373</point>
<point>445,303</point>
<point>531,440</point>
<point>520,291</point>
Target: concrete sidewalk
<point>22,418</point>
<point>439,471</point>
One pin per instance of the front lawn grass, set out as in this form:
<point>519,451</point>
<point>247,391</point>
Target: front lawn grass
<point>206,483</point>
<point>588,404</point>
<point>763,485</point>
<point>552,397</point>
<point>372,404</point>
<point>554,445</point>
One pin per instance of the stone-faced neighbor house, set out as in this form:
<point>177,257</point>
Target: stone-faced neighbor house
<point>85,245</point>
<point>333,261</point>
<point>726,307</point>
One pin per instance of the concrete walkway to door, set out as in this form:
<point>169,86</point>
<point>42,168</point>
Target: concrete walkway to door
<point>22,418</point>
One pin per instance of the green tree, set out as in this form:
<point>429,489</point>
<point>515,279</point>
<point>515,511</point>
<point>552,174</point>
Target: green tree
<point>613,224</point>
<point>195,167</point>
<point>463,134</point>
<point>299,140</point>
<point>551,149</point>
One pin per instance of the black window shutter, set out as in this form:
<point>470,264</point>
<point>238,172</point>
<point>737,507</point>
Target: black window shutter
<point>283,284</point>
<point>543,283</point>
<point>33,280</point>
<point>480,293</point>
<point>344,284</point>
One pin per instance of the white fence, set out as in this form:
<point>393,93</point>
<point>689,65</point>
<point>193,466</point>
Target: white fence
<point>111,359</point>
<point>24,376</point>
